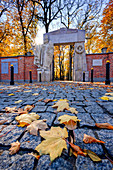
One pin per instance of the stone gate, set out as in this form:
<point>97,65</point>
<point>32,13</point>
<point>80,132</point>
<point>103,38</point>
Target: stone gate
<point>63,36</point>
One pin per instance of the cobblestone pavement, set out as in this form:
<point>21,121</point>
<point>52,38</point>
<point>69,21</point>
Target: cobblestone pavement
<point>91,109</point>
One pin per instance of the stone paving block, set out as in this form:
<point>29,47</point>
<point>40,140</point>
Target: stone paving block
<point>102,118</point>
<point>83,163</point>
<point>30,141</point>
<point>94,110</point>
<point>12,136</point>
<point>39,109</point>
<point>50,109</point>
<point>49,116</point>
<point>29,102</point>
<point>78,108</point>
<point>79,135</point>
<point>8,116</point>
<point>85,119</point>
<point>40,104</point>
<point>16,162</point>
<point>58,164</point>
<point>90,103</point>
<point>107,136</point>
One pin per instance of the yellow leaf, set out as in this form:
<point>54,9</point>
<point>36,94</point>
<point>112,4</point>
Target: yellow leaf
<point>93,155</point>
<point>11,94</point>
<point>73,110</point>
<point>69,121</point>
<point>54,142</point>
<point>19,101</point>
<point>61,105</point>
<point>107,94</point>
<point>35,94</point>
<point>27,118</point>
<point>104,98</point>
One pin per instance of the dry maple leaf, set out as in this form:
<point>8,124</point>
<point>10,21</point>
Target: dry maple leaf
<point>11,110</point>
<point>29,107</point>
<point>26,119</point>
<point>54,142</point>
<point>48,100</point>
<point>69,121</point>
<point>37,125</point>
<point>15,146</point>
<point>90,139</point>
<point>19,101</point>
<point>77,150</point>
<point>104,125</point>
<point>61,105</point>
<point>73,110</point>
<point>92,155</point>
<point>35,155</point>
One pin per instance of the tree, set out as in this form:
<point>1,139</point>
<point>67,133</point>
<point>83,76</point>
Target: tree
<point>48,11</point>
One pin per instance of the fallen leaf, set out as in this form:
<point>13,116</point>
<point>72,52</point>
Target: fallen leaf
<point>40,100</point>
<point>11,94</point>
<point>73,110</point>
<point>61,105</point>
<point>48,100</point>
<point>104,98</point>
<point>69,121</point>
<point>35,94</point>
<point>35,155</point>
<point>90,139</point>
<point>27,91</point>
<point>93,156</point>
<point>26,119</point>
<point>11,110</point>
<point>2,122</point>
<point>54,142</point>
<point>15,146</point>
<point>109,94</point>
<point>19,101</point>
<point>77,150</point>
<point>29,107</point>
<point>36,125</point>
<point>104,125</point>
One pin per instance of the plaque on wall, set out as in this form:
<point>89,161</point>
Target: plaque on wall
<point>97,62</point>
<point>4,68</point>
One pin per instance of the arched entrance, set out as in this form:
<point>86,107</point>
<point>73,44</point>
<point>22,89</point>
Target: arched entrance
<point>73,37</point>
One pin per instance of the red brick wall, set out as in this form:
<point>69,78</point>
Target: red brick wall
<point>25,63</point>
<point>99,71</point>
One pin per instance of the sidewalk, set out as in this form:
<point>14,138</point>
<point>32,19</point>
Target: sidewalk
<point>85,97</point>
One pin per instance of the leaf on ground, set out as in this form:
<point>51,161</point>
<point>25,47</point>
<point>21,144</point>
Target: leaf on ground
<point>77,150</point>
<point>37,125</point>
<point>2,121</point>
<point>19,101</point>
<point>54,142</point>
<point>104,125</point>
<point>90,139</point>
<point>109,94</point>
<point>61,105</point>
<point>29,107</point>
<point>26,119</point>
<point>73,110</point>
<point>48,100</point>
<point>35,155</point>
<point>104,98</point>
<point>10,110</point>
<point>93,156</point>
<point>11,94</point>
<point>35,94</point>
<point>69,121</point>
<point>40,100</point>
<point>15,146</point>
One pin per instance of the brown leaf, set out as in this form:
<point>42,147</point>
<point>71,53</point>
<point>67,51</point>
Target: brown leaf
<point>15,146</point>
<point>104,125</point>
<point>35,155</point>
<point>48,100</point>
<point>11,110</point>
<point>90,139</point>
<point>93,156</point>
<point>2,122</point>
<point>77,149</point>
<point>36,125</point>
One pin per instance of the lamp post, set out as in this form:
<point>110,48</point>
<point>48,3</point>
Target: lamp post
<point>107,81</point>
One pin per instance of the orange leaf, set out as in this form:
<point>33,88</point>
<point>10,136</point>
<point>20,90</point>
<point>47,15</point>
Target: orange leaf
<point>90,139</point>
<point>48,100</point>
<point>77,149</point>
<point>104,125</point>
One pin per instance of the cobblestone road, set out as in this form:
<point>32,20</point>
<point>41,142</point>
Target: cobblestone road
<point>91,109</point>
